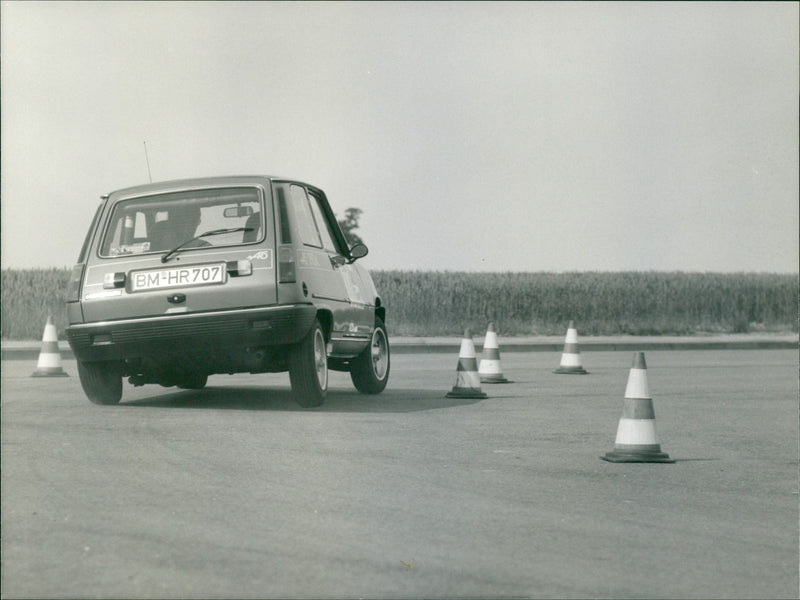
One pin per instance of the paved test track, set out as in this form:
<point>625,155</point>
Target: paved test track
<point>234,491</point>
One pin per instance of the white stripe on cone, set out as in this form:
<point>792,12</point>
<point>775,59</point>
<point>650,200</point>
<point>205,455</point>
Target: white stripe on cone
<point>48,360</point>
<point>489,367</point>
<point>633,432</point>
<point>637,384</point>
<point>467,348</point>
<point>570,360</point>
<point>49,332</point>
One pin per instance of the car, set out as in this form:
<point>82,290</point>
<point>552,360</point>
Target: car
<point>184,279</point>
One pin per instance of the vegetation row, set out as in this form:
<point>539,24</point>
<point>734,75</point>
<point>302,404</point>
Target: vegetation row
<point>600,303</point>
<point>424,303</point>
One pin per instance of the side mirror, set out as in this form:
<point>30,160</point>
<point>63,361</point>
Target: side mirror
<point>356,252</point>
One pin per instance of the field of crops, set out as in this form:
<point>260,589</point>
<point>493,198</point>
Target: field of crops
<point>636,303</point>
<point>28,297</point>
<point>444,303</point>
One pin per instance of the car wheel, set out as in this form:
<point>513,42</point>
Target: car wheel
<point>370,369</point>
<point>195,381</point>
<point>101,381</point>
<point>308,368</point>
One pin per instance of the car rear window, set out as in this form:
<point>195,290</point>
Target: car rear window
<point>159,223</point>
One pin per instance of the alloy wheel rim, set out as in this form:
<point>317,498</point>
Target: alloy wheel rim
<point>320,360</point>
<point>380,354</point>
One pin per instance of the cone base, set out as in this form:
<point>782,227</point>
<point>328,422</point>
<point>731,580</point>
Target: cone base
<point>620,456</point>
<point>465,393</point>
<point>494,379</point>
<point>571,371</point>
<point>58,373</point>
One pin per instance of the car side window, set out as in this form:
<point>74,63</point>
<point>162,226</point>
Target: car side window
<point>87,240</point>
<point>305,220</point>
<point>323,226</point>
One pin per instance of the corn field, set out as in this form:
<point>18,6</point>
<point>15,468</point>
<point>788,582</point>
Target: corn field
<point>635,303</point>
<point>445,303</point>
<point>28,297</point>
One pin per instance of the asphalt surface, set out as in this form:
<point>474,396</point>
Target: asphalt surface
<point>236,492</point>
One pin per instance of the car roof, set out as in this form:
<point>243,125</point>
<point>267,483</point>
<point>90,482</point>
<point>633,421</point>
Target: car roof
<point>198,182</point>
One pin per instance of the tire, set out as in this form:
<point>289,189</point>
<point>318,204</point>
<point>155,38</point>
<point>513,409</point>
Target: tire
<point>370,369</point>
<point>308,368</point>
<point>195,381</point>
<point>101,382</point>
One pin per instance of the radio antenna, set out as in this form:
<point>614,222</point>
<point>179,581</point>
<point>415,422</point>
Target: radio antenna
<point>148,161</point>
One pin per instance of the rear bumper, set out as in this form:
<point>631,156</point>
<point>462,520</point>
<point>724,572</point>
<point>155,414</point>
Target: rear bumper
<point>175,334</point>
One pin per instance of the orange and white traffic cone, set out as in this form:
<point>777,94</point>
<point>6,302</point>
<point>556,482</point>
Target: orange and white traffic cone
<point>571,357</point>
<point>49,364</point>
<point>468,382</point>
<point>636,434</point>
<point>489,369</point>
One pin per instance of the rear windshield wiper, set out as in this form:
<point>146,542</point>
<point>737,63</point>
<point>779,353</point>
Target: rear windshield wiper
<point>180,246</point>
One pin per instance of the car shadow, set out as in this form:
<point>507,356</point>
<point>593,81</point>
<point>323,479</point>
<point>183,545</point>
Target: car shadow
<point>281,399</point>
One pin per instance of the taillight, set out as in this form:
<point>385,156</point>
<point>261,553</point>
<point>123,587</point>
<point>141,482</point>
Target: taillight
<point>74,286</point>
<point>286,271</point>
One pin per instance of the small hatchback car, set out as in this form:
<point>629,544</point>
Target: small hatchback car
<point>249,274</point>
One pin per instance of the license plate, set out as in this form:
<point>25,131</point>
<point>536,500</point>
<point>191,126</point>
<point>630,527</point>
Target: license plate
<point>178,277</point>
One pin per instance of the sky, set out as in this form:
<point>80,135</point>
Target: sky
<point>474,136</point>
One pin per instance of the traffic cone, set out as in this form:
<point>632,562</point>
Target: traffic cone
<point>49,364</point>
<point>489,370</point>
<point>468,382</point>
<point>636,434</point>
<point>571,357</point>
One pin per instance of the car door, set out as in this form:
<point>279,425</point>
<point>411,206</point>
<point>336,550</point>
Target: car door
<point>322,265</point>
<point>360,316</point>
